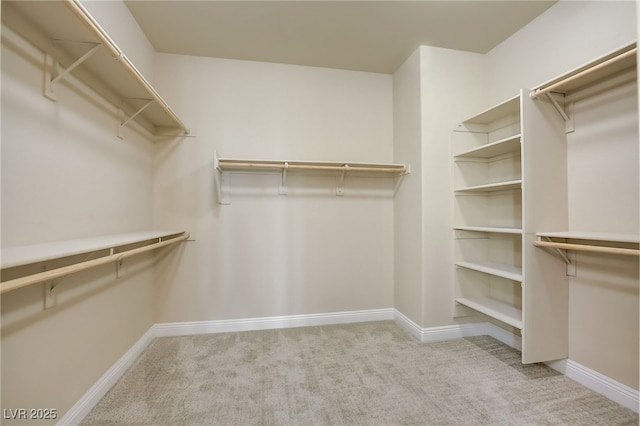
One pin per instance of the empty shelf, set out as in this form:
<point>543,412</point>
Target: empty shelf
<point>621,59</point>
<point>490,187</point>
<point>224,164</point>
<point>24,255</point>
<point>503,146</point>
<point>501,311</point>
<point>595,242</point>
<point>490,229</point>
<point>39,253</point>
<point>71,28</point>
<point>509,107</point>
<point>509,272</point>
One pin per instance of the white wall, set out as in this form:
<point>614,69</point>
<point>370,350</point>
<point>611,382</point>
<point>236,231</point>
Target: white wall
<point>408,204</point>
<point>452,89</point>
<point>603,170</point>
<point>66,175</point>
<point>567,35</point>
<point>267,254</point>
<point>114,17</point>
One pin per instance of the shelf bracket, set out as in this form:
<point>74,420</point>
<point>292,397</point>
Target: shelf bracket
<point>124,122</point>
<point>401,178</point>
<point>50,298</point>
<point>283,183</point>
<point>561,252</point>
<point>217,178</point>
<point>340,187</point>
<point>51,79</point>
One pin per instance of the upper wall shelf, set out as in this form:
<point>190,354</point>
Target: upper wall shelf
<point>598,69</point>
<point>506,108</point>
<point>338,169</point>
<point>65,30</point>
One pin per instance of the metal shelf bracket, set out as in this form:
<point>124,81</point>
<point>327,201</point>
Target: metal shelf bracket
<point>53,77</point>
<point>283,183</point>
<point>124,121</point>
<point>340,187</point>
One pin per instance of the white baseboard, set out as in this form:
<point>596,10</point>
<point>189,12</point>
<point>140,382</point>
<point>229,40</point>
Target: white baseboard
<point>448,332</point>
<point>269,323</point>
<point>593,380</point>
<point>616,391</point>
<point>89,400</point>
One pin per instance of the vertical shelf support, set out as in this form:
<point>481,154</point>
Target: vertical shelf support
<point>340,187</point>
<point>283,183</point>
<point>52,78</point>
<point>217,178</point>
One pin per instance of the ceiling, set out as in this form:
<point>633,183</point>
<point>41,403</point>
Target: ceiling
<point>373,36</point>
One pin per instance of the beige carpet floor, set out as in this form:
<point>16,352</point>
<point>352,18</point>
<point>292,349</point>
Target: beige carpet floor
<point>357,374</point>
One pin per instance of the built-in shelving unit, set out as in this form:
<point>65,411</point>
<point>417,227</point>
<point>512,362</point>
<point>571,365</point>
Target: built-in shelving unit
<point>500,187</point>
<point>74,42</point>
<point>510,187</point>
<point>78,255</point>
<point>487,154</point>
<point>339,170</point>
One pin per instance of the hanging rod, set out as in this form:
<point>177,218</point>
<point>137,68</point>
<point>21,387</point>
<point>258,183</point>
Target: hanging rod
<point>586,247</point>
<point>82,13</point>
<point>71,269</point>
<point>541,91</point>
<point>248,165</point>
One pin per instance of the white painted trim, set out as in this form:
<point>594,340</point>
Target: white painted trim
<point>504,336</point>
<point>89,400</point>
<point>593,380</point>
<point>268,323</point>
<point>612,389</point>
<point>597,382</point>
<point>447,332</point>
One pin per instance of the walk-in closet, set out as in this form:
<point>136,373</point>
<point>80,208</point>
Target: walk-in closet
<point>230,212</point>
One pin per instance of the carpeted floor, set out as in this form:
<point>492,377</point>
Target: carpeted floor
<point>356,374</point>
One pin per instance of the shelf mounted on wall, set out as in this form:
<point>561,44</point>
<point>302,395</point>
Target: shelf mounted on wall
<point>615,62</point>
<point>618,244</point>
<point>68,34</point>
<point>285,168</point>
<point>96,251</point>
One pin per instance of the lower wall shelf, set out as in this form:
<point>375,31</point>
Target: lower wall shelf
<point>113,248</point>
<point>495,309</point>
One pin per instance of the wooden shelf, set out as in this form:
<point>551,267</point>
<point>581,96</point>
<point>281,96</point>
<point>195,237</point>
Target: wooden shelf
<point>491,187</point>
<point>25,255</point>
<point>489,229</point>
<point>593,236</point>
<point>495,309</point>
<point>113,248</point>
<point>227,165</point>
<point>596,70</point>
<point>509,272</point>
<point>65,30</point>
<point>285,168</point>
<point>595,242</point>
<point>507,145</point>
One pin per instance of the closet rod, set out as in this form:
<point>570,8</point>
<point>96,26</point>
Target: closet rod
<point>350,167</point>
<point>586,247</point>
<point>67,270</point>
<point>93,25</point>
<point>537,92</point>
